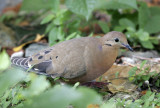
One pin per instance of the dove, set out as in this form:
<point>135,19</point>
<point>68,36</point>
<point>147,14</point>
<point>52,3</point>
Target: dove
<point>78,60</point>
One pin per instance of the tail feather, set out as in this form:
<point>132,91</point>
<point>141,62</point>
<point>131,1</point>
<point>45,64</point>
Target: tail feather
<point>20,61</point>
<point>23,63</point>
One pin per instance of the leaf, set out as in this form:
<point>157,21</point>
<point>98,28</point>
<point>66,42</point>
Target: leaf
<point>53,36</point>
<point>157,83</point>
<point>49,27</point>
<point>147,44</point>
<point>4,61</point>
<point>71,36</point>
<point>109,105</point>
<point>131,3</point>
<point>142,64</point>
<point>103,26</point>
<point>47,19</point>
<point>63,96</point>
<point>38,38</point>
<point>9,78</point>
<point>120,4</point>
<point>81,7</point>
<point>29,5</point>
<point>155,41</point>
<point>56,34</point>
<point>153,24</point>
<point>62,16</point>
<point>132,72</point>
<point>154,10</point>
<point>148,99</point>
<point>38,85</point>
<point>142,35</point>
<point>143,14</point>
<point>149,18</point>
<point>88,96</point>
<point>119,28</point>
<point>126,23</point>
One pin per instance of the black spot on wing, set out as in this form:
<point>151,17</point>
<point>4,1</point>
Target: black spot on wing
<point>37,55</point>
<point>40,57</point>
<point>46,52</point>
<point>50,58</point>
<point>30,59</point>
<point>56,57</point>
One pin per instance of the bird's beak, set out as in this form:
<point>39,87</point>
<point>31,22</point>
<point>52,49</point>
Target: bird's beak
<point>128,47</point>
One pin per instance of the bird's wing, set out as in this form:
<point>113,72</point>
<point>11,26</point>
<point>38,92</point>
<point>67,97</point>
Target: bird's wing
<point>65,59</point>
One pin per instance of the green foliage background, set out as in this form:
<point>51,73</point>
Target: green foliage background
<point>138,21</point>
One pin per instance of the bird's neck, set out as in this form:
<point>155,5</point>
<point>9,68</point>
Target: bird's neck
<point>109,55</point>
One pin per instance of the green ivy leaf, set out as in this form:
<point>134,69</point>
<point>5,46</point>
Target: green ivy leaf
<point>9,78</point>
<point>153,24</point>
<point>154,10</point>
<point>56,34</point>
<point>73,35</point>
<point>61,16</point>
<point>47,19</point>
<point>132,71</point>
<point>143,14</point>
<point>142,35</point>
<point>81,7</point>
<point>119,28</point>
<point>157,83</point>
<point>63,96</point>
<point>4,60</point>
<point>142,64</point>
<point>88,96</point>
<point>109,104</point>
<point>38,85</point>
<point>49,27</point>
<point>53,36</point>
<point>29,5</point>
<point>147,44</point>
<point>148,19</point>
<point>121,4</point>
<point>126,23</point>
<point>131,3</point>
<point>155,41</point>
<point>103,26</point>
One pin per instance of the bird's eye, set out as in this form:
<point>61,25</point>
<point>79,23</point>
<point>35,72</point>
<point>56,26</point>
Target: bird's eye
<point>116,40</point>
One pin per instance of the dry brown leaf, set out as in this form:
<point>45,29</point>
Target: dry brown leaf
<point>38,37</point>
<point>15,8</point>
<point>144,92</point>
<point>121,84</point>
<point>118,82</point>
<point>122,71</point>
<point>24,23</point>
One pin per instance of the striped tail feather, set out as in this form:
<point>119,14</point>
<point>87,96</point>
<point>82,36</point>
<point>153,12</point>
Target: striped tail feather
<point>20,61</point>
<point>24,64</point>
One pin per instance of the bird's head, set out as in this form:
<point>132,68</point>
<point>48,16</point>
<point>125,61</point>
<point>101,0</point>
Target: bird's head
<point>116,39</point>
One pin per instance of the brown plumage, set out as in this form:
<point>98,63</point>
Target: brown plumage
<point>81,59</point>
